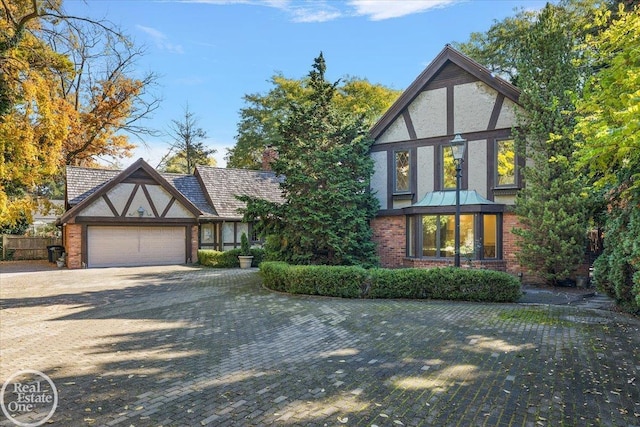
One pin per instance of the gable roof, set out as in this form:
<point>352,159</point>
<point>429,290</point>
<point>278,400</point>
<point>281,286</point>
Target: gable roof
<point>221,185</point>
<point>210,191</point>
<point>80,192</point>
<point>447,56</point>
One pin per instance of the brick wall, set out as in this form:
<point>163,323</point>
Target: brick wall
<point>73,245</point>
<point>389,234</point>
<point>510,242</point>
<point>499,265</point>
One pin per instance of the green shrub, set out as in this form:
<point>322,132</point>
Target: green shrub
<point>274,275</point>
<point>401,283</point>
<point>227,259</point>
<point>352,282</point>
<point>617,271</point>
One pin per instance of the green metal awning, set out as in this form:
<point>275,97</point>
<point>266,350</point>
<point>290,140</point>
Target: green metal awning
<point>448,198</point>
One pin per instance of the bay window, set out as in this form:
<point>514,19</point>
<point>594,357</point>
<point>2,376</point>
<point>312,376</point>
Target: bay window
<point>434,235</point>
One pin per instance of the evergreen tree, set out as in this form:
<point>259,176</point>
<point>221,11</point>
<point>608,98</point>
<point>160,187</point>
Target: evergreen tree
<point>323,155</point>
<point>551,208</point>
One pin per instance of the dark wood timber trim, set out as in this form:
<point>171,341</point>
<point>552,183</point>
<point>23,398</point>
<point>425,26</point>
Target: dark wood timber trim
<point>130,200</point>
<point>445,57</point>
<point>438,140</point>
<point>138,170</point>
<point>409,123</point>
<point>413,171</point>
<point>491,168</point>
<point>391,176</point>
<point>495,114</point>
<point>101,220</point>
<point>450,111</point>
<point>166,209</point>
<point>84,245</point>
<point>108,202</point>
<point>148,196</point>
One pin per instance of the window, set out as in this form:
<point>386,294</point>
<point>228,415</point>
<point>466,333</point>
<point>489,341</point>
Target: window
<point>434,236</point>
<point>207,236</point>
<point>401,182</point>
<point>438,236</point>
<point>448,169</point>
<point>505,163</point>
<point>490,236</point>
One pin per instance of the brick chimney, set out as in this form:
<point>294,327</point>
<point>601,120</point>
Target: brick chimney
<point>268,156</point>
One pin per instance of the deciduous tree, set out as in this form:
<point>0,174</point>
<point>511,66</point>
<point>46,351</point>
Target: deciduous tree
<point>264,114</point>
<point>67,96</point>
<point>609,152</point>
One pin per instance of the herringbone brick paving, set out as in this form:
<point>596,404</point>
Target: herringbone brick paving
<point>187,346</point>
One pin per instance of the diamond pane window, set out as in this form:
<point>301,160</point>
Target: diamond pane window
<point>402,171</point>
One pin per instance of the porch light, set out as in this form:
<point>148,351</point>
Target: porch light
<point>140,212</point>
<point>458,145</point>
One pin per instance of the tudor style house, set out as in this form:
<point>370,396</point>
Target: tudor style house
<point>415,176</point>
<point>139,216</point>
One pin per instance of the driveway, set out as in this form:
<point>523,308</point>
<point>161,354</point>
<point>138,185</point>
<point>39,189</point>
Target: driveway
<point>187,346</point>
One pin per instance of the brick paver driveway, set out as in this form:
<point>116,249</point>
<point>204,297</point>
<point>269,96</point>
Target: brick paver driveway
<point>183,346</point>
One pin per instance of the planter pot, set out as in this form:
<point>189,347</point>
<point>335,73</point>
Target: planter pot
<point>245,261</point>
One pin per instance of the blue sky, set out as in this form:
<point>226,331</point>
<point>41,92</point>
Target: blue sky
<point>210,53</point>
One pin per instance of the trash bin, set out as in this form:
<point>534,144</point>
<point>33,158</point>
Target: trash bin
<point>55,252</point>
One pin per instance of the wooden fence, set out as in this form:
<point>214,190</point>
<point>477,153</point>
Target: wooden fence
<point>22,247</point>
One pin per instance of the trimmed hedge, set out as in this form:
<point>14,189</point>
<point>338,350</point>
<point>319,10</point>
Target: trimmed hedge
<point>227,259</point>
<point>447,283</point>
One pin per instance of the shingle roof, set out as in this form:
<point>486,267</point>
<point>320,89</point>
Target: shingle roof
<point>189,186</point>
<point>222,185</point>
<point>83,182</point>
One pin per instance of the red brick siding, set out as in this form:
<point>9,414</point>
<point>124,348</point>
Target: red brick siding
<point>389,234</point>
<point>499,265</point>
<point>510,242</point>
<point>73,245</point>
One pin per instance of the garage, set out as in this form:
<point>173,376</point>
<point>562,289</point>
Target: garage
<point>109,246</point>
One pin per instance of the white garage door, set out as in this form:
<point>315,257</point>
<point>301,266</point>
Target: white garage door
<point>129,246</point>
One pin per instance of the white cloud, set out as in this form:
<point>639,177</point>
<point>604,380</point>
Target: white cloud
<point>378,10</point>
<point>161,40</point>
<point>306,15</point>
<point>300,11</point>
<point>328,10</point>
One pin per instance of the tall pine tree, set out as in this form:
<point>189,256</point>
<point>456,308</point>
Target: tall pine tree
<point>323,155</point>
<point>550,208</point>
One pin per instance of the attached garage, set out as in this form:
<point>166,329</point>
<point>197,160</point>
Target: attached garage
<point>109,246</point>
<point>129,218</point>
